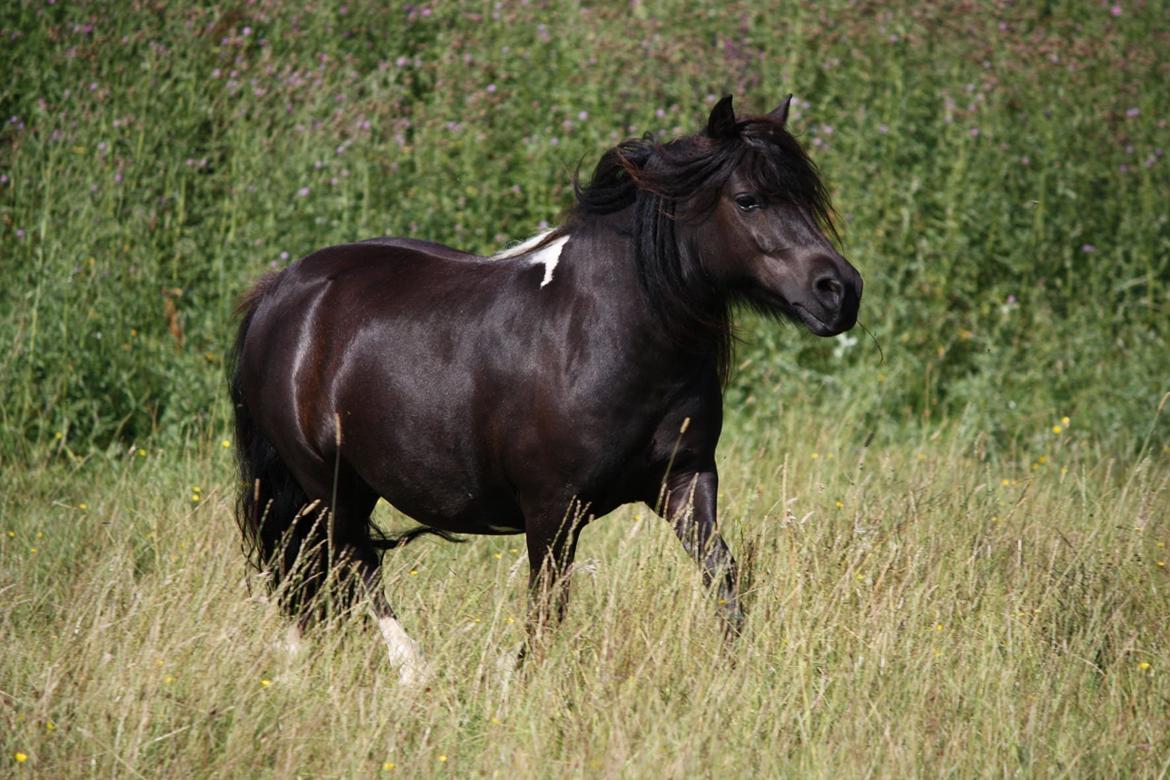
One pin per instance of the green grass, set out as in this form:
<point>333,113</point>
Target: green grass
<point>947,617</point>
<point>989,598</point>
<point>999,172</point>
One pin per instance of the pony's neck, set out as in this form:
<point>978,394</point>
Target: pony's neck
<point>661,286</point>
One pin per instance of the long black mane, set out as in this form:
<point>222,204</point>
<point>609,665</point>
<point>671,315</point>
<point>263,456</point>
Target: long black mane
<point>681,179</point>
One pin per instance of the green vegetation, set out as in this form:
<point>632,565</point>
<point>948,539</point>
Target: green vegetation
<point>996,171</point>
<point>990,596</point>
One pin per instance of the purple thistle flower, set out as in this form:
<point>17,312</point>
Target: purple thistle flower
<point>304,192</point>
<point>1088,249</point>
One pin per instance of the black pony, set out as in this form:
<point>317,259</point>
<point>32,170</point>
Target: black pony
<point>533,391</point>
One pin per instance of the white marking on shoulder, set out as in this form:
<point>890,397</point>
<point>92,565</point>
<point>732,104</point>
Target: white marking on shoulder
<point>548,255</point>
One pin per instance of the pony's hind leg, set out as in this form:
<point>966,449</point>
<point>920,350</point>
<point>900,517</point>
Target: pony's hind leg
<point>361,575</point>
<point>403,651</point>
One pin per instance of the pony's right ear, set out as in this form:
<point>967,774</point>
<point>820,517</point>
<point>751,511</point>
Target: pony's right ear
<point>779,114</point>
<point>721,123</point>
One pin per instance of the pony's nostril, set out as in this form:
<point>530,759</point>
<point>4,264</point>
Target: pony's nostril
<point>829,287</point>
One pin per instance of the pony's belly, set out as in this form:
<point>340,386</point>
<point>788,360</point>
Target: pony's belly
<point>448,510</point>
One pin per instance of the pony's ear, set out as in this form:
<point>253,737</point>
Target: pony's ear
<point>779,114</point>
<point>721,123</point>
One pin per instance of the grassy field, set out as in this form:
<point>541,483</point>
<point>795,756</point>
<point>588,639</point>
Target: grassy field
<point>912,611</point>
<point>957,528</point>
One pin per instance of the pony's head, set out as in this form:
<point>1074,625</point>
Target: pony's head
<point>765,232</point>
<point>734,212</point>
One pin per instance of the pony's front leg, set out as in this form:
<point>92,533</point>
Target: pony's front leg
<point>551,536</point>
<point>689,506</point>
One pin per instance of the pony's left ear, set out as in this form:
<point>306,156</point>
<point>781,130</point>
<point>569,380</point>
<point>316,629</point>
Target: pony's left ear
<point>721,123</point>
<point>779,114</point>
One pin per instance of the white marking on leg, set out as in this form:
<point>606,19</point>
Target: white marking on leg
<point>294,641</point>
<point>403,651</point>
<point>547,255</point>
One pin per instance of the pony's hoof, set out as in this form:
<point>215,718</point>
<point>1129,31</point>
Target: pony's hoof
<point>415,674</point>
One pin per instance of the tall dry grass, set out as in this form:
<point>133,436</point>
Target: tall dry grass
<point>911,612</point>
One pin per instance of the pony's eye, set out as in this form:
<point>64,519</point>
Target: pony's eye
<point>747,202</point>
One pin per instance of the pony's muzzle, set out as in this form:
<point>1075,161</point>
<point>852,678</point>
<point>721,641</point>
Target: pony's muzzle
<point>836,297</point>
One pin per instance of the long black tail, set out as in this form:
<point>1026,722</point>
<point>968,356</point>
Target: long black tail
<point>284,534</point>
<point>273,513</point>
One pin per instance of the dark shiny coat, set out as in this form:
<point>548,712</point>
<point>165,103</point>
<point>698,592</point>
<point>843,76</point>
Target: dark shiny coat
<point>479,396</point>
